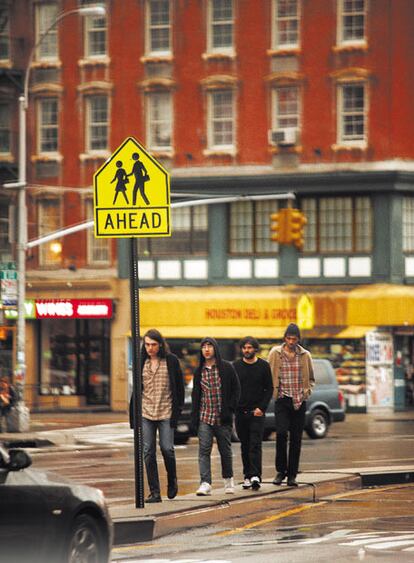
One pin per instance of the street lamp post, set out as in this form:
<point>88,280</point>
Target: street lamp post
<point>20,422</point>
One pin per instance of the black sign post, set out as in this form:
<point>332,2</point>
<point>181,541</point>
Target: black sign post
<point>136,374</point>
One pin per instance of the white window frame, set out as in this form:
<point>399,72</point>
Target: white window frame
<point>5,31</point>
<point>96,246</point>
<point>277,44</point>
<point>153,122</point>
<point>211,120</point>
<point>342,140</point>
<point>6,126</point>
<point>340,24</point>
<point>89,124</point>
<point>277,117</point>
<point>43,22</point>
<point>150,28</point>
<point>211,48</point>
<point>90,30</point>
<point>42,126</point>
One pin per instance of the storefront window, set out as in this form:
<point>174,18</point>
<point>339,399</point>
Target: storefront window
<point>75,358</point>
<point>348,359</point>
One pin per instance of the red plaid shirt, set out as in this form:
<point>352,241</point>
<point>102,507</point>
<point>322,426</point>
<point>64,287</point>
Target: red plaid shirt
<point>291,384</point>
<point>210,406</point>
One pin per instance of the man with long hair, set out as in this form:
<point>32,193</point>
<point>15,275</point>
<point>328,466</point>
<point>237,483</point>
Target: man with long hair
<point>162,401</point>
<point>215,395</point>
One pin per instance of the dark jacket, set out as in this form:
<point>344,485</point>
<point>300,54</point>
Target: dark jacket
<point>230,389</point>
<point>176,385</point>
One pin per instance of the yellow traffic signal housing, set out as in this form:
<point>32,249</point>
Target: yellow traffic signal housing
<point>296,222</point>
<point>279,226</point>
<point>287,227</point>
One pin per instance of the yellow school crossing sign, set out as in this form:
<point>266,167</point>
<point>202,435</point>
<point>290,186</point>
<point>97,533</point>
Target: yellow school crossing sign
<point>132,195</point>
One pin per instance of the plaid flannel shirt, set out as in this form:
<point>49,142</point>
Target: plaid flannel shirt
<point>291,384</point>
<point>210,407</point>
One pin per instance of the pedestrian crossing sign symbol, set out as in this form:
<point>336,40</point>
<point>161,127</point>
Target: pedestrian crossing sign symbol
<point>132,195</point>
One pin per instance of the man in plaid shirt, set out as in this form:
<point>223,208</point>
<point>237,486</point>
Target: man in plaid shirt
<point>216,392</point>
<point>293,380</point>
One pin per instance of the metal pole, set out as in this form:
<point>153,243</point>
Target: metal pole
<point>136,374</point>
<point>22,420</point>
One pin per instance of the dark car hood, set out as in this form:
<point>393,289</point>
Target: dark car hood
<point>33,477</point>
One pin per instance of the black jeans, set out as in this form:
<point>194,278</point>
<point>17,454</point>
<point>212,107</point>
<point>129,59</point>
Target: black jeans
<point>250,432</point>
<point>288,420</point>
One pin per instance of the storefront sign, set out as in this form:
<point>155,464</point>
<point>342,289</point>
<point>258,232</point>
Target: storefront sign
<point>73,308</point>
<point>29,311</point>
<point>249,313</point>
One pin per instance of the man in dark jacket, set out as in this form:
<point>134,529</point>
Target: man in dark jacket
<point>256,391</point>
<point>162,401</point>
<point>215,396</point>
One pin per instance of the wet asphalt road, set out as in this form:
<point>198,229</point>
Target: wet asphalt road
<point>369,525</point>
<point>106,458</point>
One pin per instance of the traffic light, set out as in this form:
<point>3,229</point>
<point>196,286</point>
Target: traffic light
<point>296,224</point>
<point>278,226</point>
<point>287,227</point>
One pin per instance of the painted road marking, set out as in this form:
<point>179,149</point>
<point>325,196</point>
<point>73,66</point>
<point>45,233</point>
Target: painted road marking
<point>273,518</point>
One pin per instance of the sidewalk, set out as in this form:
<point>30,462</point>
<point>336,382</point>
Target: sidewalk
<point>188,511</point>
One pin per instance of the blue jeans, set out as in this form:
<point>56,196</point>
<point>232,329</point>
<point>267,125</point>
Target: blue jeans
<point>206,433</point>
<point>166,435</point>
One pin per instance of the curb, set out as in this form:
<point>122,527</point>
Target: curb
<point>133,529</point>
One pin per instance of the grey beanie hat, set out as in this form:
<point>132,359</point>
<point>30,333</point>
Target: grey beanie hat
<point>292,330</point>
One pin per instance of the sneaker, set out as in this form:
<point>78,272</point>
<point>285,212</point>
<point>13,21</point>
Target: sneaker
<point>246,483</point>
<point>229,486</point>
<point>204,489</point>
<point>255,483</point>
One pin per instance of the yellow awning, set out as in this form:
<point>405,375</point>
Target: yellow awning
<point>230,332</point>
<point>264,312</point>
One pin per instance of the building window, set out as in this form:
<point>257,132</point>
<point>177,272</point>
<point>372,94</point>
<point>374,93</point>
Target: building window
<point>338,224</point>
<point>408,224</point>
<point>95,36</point>
<point>189,235</point>
<point>286,107</point>
<point>250,227</point>
<point>158,26</point>
<point>48,125</point>
<point>49,211</point>
<point>4,33</point>
<point>159,120</point>
<point>97,123</point>
<point>5,113</point>
<point>351,21</point>
<point>286,22</point>
<point>98,249</point>
<point>46,14</point>
<point>221,23</point>
<point>221,119</point>
<point>352,113</point>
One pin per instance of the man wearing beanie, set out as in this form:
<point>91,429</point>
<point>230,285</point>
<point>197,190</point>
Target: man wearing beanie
<point>293,380</point>
<point>216,392</point>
